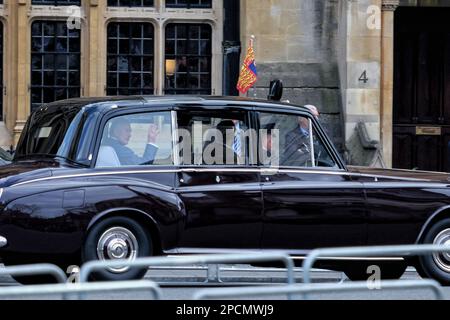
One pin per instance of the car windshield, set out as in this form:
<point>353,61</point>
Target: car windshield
<point>57,132</point>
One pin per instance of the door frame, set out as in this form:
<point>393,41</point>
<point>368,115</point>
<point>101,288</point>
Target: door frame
<point>388,8</point>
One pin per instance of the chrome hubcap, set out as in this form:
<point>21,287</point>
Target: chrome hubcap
<point>117,243</point>
<point>442,260</point>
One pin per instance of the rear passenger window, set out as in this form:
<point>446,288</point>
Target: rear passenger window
<point>213,137</point>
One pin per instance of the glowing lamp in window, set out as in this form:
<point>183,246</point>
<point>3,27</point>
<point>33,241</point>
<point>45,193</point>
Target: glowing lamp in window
<point>170,67</point>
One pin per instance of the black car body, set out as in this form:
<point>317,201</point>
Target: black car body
<point>54,199</point>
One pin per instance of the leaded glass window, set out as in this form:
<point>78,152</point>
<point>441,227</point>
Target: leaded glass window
<point>130,58</point>
<point>188,59</point>
<point>55,62</point>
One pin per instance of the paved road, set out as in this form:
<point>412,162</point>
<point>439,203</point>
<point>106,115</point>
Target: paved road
<point>179,285</point>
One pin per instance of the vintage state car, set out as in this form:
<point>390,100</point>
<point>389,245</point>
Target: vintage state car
<point>126,177</point>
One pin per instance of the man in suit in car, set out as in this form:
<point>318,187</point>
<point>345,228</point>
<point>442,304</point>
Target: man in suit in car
<point>269,148</point>
<point>120,134</point>
<point>297,148</point>
<point>232,147</point>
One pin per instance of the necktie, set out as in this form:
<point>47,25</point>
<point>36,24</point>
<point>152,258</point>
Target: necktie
<point>237,143</point>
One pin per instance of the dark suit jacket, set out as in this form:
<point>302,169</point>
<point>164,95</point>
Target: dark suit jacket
<point>127,157</point>
<point>296,150</point>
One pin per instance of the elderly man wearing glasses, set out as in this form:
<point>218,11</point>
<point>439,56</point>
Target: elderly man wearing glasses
<point>298,142</point>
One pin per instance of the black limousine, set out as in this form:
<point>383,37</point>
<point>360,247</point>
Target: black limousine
<point>126,177</point>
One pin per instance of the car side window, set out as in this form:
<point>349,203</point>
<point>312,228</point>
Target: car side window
<point>322,158</point>
<point>137,140</point>
<point>291,141</point>
<point>213,137</point>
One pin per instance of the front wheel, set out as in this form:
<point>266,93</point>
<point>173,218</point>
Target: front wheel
<point>437,265</point>
<point>117,238</point>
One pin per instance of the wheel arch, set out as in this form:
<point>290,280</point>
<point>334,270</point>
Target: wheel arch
<point>438,215</point>
<point>140,216</point>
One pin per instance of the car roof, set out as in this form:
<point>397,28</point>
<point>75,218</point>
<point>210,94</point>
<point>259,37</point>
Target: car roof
<point>109,102</point>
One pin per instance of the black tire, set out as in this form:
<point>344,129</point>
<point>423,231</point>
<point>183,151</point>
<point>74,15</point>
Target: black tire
<point>388,271</point>
<point>428,267</point>
<point>141,235</point>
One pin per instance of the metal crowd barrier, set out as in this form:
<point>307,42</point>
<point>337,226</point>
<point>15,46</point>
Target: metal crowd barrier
<point>213,276</point>
<point>229,293</point>
<point>401,250</point>
<point>91,266</point>
<point>81,289</point>
<point>35,269</point>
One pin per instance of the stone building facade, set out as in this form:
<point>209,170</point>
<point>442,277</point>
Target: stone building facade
<point>336,54</point>
<point>103,47</point>
<point>340,55</point>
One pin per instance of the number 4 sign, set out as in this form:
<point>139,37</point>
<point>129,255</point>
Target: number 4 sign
<point>363,77</point>
<point>364,74</point>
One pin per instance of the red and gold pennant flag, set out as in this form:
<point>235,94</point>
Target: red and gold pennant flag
<point>249,74</point>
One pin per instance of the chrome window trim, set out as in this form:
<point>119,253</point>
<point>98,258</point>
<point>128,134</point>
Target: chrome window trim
<point>263,171</point>
<point>175,151</point>
<point>93,174</point>
<point>311,143</point>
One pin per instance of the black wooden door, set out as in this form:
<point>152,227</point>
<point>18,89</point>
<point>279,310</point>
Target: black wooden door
<point>421,124</point>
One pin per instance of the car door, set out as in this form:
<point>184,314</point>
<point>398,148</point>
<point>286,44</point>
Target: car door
<point>134,155</point>
<point>221,195</point>
<point>310,200</point>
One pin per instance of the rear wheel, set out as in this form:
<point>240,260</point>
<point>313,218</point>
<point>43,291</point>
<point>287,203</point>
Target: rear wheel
<point>437,265</point>
<point>117,238</point>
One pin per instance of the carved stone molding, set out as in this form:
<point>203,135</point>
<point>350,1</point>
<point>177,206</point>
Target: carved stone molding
<point>390,5</point>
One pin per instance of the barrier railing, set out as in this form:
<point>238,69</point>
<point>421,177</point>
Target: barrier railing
<point>216,275</point>
<point>92,266</point>
<point>223,274</point>
<point>303,289</point>
<point>376,251</point>
<point>81,289</point>
<point>34,270</point>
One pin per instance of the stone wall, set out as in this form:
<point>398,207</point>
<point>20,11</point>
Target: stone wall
<point>297,42</point>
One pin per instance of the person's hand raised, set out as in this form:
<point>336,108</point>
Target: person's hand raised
<point>153,133</point>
